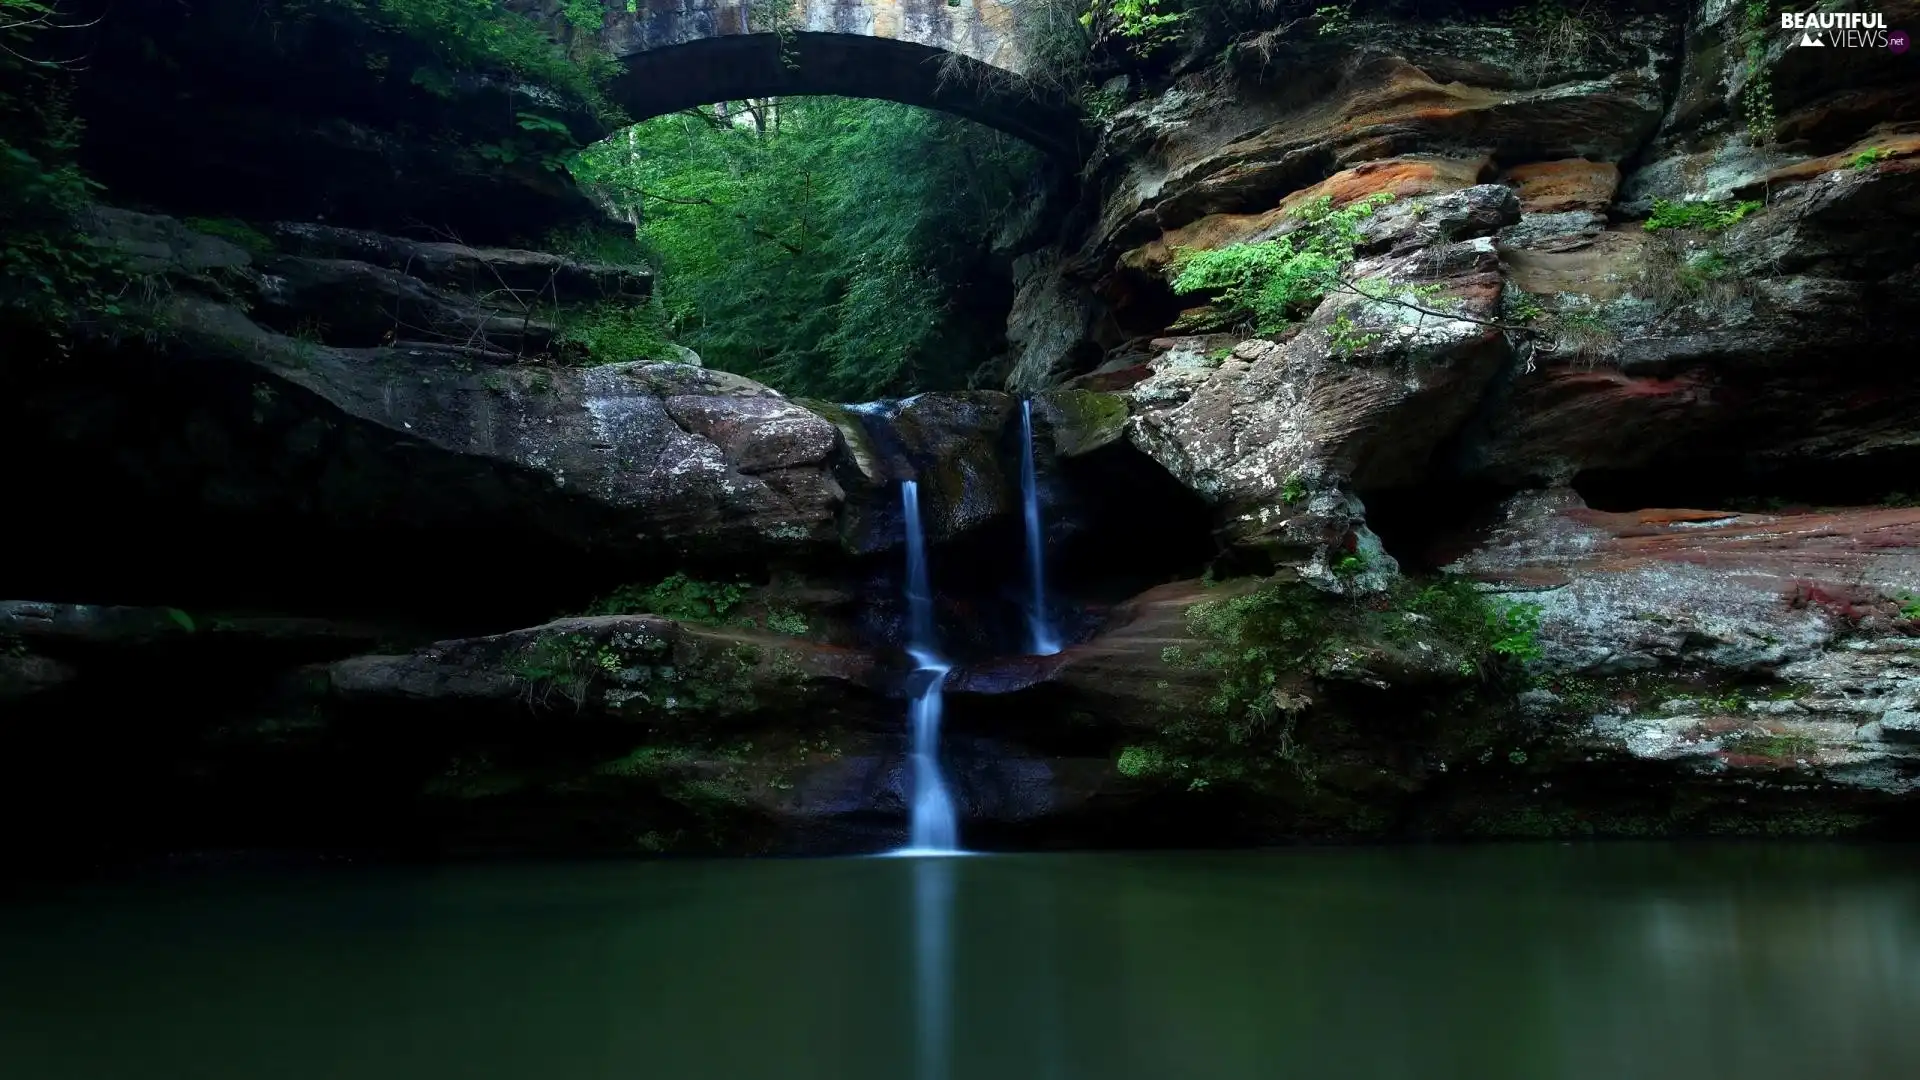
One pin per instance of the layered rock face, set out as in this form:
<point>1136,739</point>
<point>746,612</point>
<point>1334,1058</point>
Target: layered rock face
<point>1556,338</point>
<point>1640,258</point>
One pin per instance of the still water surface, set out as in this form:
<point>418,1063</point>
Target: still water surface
<point>1534,963</point>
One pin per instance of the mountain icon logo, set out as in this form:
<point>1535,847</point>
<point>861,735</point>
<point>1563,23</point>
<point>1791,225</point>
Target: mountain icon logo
<point>1808,41</point>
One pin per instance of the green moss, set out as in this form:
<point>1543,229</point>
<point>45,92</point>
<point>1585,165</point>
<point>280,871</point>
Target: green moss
<point>614,333</point>
<point>1770,744</point>
<point>866,457</point>
<point>234,231</point>
<point>1084,420</point>
<point>1703,215</point>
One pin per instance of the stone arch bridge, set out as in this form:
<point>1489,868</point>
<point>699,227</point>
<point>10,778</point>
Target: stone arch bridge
<point>958,56</point>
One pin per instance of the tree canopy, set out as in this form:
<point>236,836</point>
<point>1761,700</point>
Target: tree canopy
<point>830,247</point>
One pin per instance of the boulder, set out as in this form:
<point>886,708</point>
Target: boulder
<point>1359,397</point>
<point>1736,644</point>
<point>667,457</point>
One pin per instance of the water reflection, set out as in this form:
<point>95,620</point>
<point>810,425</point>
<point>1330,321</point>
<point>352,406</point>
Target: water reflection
<point>933,963</point>
<point>1554,963</point>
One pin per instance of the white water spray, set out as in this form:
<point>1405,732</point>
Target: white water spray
<point>932,830</point>
<point>1042,639</point>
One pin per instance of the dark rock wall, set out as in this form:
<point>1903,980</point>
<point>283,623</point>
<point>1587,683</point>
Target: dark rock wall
<point>274,111</point>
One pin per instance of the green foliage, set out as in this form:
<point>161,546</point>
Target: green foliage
<point>1272,282</point>
<point>606,247</point>
<point>1868,158</point>
<point>1346,337</point>
<point>51,277</point>
<point>1514,630</point>
<point>481,35</point>
<point>562,664</point>
<point>1523,306</point>
<point>1142,761</point>
<point>1910,607</point>
<point>822,245</point>
<point>1293,489</point>
<point>1488,629</point>
<point>586,15</point>
<point>677,597</point>
<point>1140,21</point>
<point>1705,215</point>
<point>1332,19</point>
<point>1102,104</point>
<point>181,619</point>
<point>614,333</point>
<point>1256,641</point>
<point>787,621</point>
<point>1752,34</point>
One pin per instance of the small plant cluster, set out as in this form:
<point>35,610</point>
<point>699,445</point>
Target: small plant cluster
<point>1560,34</point>
<point>691,600</point>
<point>563,664</point>
<point>613,333</point>
<point>632,668</point>
<point>51,277</point>
<point>1262,649</point>
<point>1142,22</point>
<point>1701,214</point>
<point>1347,338</point>
<point>677,597</point>
<point>1494,629</point>
<point>547,140</point>
<point>1676,273</point>
<point>1333,19</point>
<point>1270,283</point>
<point>1750,42</point>
<point>1868,158</point>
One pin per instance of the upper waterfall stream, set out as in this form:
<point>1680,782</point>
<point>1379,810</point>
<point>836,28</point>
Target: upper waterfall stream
<point>931,830</point>
<point>1044,640</point>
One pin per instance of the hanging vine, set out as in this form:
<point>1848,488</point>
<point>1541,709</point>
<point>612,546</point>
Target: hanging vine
<point>1756,97</point>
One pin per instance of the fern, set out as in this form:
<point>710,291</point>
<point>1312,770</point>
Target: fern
<point>1273,282</point>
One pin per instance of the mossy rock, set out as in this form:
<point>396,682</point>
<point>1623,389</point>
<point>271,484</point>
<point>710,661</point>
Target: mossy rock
<point>859,445</point>
<point>1082,421</point>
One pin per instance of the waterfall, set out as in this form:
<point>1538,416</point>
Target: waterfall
<point>932,831</point>
<point>1042,639</point>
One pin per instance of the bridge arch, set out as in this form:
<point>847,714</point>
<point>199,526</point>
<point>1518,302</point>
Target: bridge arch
<point>959,58</point>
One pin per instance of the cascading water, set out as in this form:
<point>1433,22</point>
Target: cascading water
<point>1042,640</point>
<point>931,830</point>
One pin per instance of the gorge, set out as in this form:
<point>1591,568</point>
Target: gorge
<point>1571,495</point>
<point>972,540</point>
